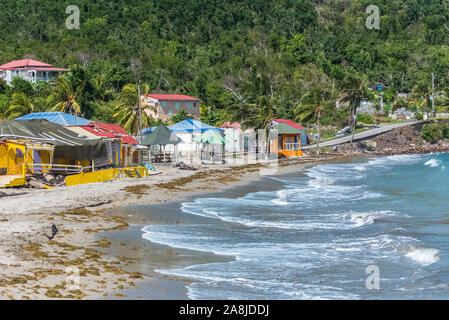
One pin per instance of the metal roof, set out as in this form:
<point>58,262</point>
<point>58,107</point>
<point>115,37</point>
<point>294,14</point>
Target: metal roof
<point>171,97</point>
<point>61,118</point>
<point>186,126</point>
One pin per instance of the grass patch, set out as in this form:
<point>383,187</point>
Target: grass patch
<point>139,189</point>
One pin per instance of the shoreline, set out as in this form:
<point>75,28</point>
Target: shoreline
<point>32,267</point>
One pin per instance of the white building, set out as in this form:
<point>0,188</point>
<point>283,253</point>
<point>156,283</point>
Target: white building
<point>30,70</point>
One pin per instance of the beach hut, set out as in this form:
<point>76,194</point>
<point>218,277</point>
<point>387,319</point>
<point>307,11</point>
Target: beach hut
<point>124,149</point>
<point>70,149</point>
<point>285,140</point>
<point>161,137</point>
<point>187,130</point>
<point>291,123</point>
<point>234,136</point>
<point>212,145</point>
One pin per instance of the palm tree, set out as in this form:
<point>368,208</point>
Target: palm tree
<point>131,111</point>
<point>63,96</point>
<point>242,112</point>
<point>421,96</point>
<point>356,89</point>
<point>312,108</point>
<point>319,109</point>
<point>100,86</point>
<point>20,105</point>
<point>305,111</point>
<point>259,115</point>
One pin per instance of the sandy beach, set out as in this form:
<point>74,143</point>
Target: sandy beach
<point>83,260</point>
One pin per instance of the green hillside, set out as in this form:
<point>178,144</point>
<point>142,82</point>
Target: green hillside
<point>280,56</point>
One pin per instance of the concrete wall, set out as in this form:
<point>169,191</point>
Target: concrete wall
<point>165,109</point>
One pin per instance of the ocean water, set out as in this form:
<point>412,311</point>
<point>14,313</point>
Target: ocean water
<point>315,236</point>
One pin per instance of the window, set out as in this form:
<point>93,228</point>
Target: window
<point>170,112</point>
<point>178,105</point>
<point>194,104</point>
<point>189,105</point>
<point>163,104</point>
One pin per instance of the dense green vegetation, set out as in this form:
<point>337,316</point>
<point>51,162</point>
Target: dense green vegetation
<point>247,60</point>
<point>435,132</point>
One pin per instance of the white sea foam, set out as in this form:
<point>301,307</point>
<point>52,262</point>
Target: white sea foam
<point>433,163</point>
<point>423,256</point>
<point>365,218</point>
<point>281,199</point>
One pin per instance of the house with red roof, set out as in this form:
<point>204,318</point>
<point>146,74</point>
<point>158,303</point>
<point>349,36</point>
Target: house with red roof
<point>30,70</point>
<point>168,105</point>
<point>126,153</point>
<point>304,138</point>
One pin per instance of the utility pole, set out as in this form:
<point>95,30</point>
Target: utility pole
<point>381,101</point>
<point>433,96</point>
<point>139,116</point>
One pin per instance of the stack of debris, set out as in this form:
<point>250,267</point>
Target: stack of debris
<point>41,181</point>
<point>181,165</point>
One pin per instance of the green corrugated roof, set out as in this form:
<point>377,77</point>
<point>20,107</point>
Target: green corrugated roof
<point>286,129</point>
<point>211,137</point>
<point>162,136</point>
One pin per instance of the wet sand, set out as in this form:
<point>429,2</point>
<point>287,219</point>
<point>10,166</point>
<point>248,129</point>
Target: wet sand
<point>102,242</point>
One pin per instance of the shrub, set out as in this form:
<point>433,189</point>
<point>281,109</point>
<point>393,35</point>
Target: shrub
<point>432,133</point>
<point>445,129</point>
<point>419,116</point>
<point>365,118</point>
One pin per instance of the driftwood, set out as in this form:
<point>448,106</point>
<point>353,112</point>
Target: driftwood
<point>183,166</point>
<point>39,181</point>
<point>54,231</point>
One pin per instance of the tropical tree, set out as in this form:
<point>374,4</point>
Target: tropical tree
<point>63,96</point>
<point>306,110</point>
<point>356,88</point>
<point>101,87</point>
<point>319,109</point>
<point>20,105</point>
<point>421,96</point>
<point>180,116</point>
<point>259,115</point>
<point>130,110</point>
<point>243,113</point>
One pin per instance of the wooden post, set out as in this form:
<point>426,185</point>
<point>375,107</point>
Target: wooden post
<point>24,165</point>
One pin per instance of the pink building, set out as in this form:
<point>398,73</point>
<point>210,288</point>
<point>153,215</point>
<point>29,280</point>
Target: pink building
<point>30,70</point>
<point>167,105</point>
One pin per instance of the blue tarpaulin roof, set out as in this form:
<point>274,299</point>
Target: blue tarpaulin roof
<point>61,118</point>
<point>187,126</point>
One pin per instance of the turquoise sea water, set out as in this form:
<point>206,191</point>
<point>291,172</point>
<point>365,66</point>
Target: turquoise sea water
<point>314,237</point>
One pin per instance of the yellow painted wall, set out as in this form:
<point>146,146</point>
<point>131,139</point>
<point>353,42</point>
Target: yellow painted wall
<point>101,175</point>
<point>15,163</point>
<point>275,148</point>
<point>3,156</point>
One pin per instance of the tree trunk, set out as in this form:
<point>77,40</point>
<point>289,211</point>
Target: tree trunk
<point>139,116</point>
<point>353,125</point>
<point>319,129</point>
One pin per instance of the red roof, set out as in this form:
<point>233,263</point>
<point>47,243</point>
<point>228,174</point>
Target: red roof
<point>51,69</point>
<point>109,130</point>
<point>29,63</point>
<point>171,97</point>
<point>291,123</point>
<point>233,125</point>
